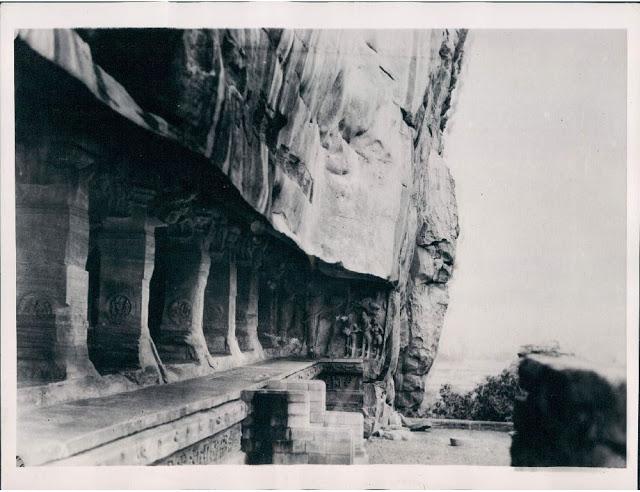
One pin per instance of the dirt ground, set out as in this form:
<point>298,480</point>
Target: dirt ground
<point>433,448</point>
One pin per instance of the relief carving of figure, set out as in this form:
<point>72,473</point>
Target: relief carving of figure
<point>348,326</point>
<point>367,335</point>
<point>378,337</point>
<point>376,326</point>
<point>372,329</point>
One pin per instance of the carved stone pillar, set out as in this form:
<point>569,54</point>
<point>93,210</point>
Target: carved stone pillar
<point>221,292</point>
<point>121,338</point>
<point>249,260</point>
<point>272,273</point>
<point>216,307</point>
<point>285,313</point>
<point>292,303</point>
<point>52,234</point>
<point>188,263</point>
<point>267,312</point>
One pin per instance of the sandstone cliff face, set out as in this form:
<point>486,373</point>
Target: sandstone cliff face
<point>335,137</point>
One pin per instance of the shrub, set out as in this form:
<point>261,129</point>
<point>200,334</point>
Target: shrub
<point>452,405</point>
<point>493,399</point>
<point>490,400</point>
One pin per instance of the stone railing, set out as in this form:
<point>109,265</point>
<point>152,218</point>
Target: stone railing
<point>573,414</point>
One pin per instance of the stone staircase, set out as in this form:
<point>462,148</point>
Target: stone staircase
<point>288,423</point>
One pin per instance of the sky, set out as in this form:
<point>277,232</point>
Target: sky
<point>537,147</point>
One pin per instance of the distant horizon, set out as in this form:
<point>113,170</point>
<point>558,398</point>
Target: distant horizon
<point>507,356</point>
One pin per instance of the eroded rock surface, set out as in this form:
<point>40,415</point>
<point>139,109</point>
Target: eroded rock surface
<point>574,414</point>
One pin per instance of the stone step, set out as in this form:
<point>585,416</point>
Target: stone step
<point>289,419</point>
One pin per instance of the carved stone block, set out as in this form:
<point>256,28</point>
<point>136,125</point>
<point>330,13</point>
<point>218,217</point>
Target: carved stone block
<point>209,451</point>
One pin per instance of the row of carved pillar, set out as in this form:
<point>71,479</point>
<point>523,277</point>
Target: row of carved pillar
<point>112,278</point>
<point>205,295</point>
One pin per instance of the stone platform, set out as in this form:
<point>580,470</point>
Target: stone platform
<point>197,421</point>
<point>144,426</point>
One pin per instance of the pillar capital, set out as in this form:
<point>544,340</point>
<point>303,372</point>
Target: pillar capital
<point>114,197</point>
<point>205,229</point>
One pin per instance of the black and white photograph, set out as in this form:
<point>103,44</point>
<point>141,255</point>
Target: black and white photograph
<point>265,245</point>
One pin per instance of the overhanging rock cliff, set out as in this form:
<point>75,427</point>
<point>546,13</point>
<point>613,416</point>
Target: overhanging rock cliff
<point>334,138</point>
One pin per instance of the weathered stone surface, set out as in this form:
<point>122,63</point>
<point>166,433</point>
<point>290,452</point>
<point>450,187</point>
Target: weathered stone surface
<point>574,414</point>
<point>52,232</point>
<point>427,257</point>
<point>89,387</point>
<point>310,126</point>
<point>428,304</point>
<point>181,337</point>
<point>344,385</point>
<point>219,308</point>
<point>121,340</point>
<point>396,435</point>
<point>220,448</point>
<point>426,290</point>
<point>204,437</point>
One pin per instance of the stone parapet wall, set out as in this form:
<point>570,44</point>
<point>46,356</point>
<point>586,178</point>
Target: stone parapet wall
<point>476,425</point>
<point>202,438</point>
<point>573,414</point>
<point>344,383</point>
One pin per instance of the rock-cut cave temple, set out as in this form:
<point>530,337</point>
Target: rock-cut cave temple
<point>233,246</point>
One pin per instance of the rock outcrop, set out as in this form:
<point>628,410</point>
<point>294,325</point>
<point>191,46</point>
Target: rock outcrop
<point>334,137</point>
<point>573,414</point>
